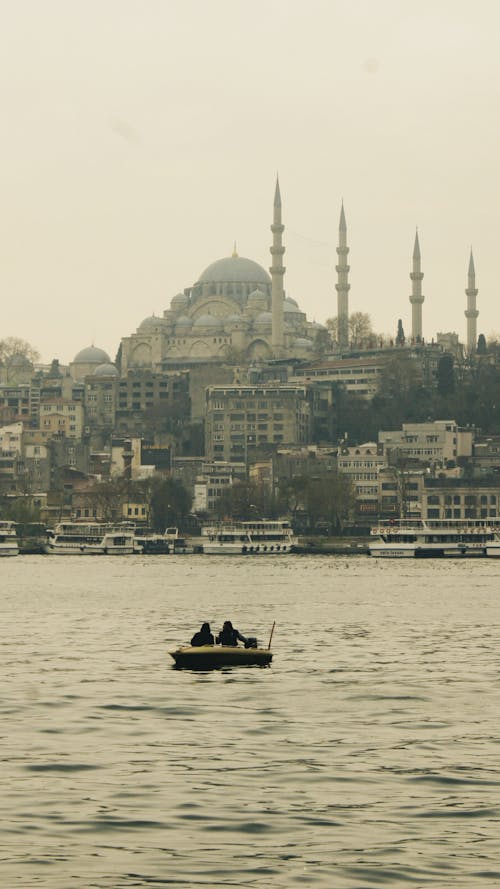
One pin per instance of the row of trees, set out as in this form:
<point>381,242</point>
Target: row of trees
<point>312,502</point>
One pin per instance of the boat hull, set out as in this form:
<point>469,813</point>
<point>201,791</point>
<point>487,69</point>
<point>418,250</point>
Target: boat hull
<point>212,657</point>
<point>52,549</point>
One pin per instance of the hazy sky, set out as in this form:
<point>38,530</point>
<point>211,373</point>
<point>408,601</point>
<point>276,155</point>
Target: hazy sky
<point>140,138</point>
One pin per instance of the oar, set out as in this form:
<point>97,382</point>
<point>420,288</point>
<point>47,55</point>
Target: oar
<point>271,636</point>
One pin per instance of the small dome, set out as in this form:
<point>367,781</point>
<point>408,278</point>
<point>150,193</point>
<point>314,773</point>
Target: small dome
<point>92,355</point>
<point>234,270</point>
<point>264,318</point>
<point>184,321</point>
<point>235,319</point>
<point>106,370</point>
<point>179,302</point>
<point>150,323</point>
<point>315,325</point>
<point>207,321</point>
<point>290,306</point>
<point>302,343</point>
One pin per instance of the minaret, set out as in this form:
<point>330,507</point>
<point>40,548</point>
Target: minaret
<point>471,312</point>
<point>277,271</point>
<point>416,297</point>
<point>342,286</point>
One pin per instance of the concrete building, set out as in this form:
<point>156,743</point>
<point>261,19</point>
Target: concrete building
<point>59,417</point>
<point>362,465</point>
<point>433,444</point>
<point>462,499</point>
<point>212,483</point>
<point>239,419</point>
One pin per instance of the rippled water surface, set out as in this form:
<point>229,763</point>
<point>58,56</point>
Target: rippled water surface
<point>366,756</point>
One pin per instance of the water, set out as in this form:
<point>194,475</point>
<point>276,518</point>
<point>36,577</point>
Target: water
<point>366,756</point>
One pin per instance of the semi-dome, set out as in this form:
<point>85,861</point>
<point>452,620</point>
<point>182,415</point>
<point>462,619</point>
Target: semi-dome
<point>303,343</point>
<point>207,321</point>
<point>264,318</point>
<point>92,355</point>
<point>179,301</point>
<point>184,321</point>
<point>106,370</point>
<point>234,270</point>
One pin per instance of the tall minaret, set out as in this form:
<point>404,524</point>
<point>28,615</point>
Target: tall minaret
<point>342,286</point>
<point>471,312</point>
<point>416,297</point>
<point>277,271</point>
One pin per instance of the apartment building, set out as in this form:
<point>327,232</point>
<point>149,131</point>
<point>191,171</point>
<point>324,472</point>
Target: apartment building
<point>435,443</point>
<point>241,418</point>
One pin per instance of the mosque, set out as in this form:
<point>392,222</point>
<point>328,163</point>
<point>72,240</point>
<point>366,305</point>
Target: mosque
<point>235,308</point>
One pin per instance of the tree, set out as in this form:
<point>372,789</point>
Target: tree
<point>13,345</point>
<point>481,344</point>
<point>400,336</point>
<point>360,328</point>
<point>445,374</point>
<point>170,503</point>
<point>331,498</point>
<point>322,343</point>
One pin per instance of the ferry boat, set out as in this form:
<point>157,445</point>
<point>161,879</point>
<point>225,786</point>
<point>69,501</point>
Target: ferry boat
<point>8,539</point>
<point>421,538</point>
<point>85,539</point>
<point>262,538</point>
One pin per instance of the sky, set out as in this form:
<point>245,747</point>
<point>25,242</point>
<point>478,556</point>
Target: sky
<point>141,138</point>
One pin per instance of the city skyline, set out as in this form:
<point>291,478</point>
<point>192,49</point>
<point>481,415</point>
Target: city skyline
<point>141,142</point>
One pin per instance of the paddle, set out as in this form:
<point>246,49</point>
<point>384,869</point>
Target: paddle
<point>271,636</point>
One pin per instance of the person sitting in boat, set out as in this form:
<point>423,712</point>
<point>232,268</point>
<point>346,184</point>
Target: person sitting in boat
<point>229,635</point>
<point>203,636</point>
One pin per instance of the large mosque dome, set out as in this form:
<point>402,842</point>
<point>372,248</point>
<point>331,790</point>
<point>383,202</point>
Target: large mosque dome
<point>234,270</point>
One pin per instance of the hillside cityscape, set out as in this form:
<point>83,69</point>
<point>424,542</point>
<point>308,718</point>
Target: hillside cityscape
<point>234,404</point>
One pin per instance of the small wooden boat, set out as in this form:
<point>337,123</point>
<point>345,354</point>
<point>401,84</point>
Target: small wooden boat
<point>211,657</point>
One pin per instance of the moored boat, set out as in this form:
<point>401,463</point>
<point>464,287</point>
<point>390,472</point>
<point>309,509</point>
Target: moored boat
<point>90,539</point>
<point>8,539</point>
<point>430,538</point>
<point>210,657</point>
<point>257,537</point>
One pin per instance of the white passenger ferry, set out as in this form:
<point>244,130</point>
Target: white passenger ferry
<point>432,537</point>
<point>8,539</point>
<point>261,538</point>
<point>85,539</point>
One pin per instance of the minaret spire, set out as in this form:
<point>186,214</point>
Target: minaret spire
<point>416,297</point>
<point>342,286</point>
<point>277,271</point>
<point>471,312</point>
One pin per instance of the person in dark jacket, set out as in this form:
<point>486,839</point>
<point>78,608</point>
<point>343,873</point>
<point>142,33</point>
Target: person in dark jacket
<point>203,636</point>
<point>229,635</point>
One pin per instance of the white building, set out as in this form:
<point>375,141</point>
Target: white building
<point>433,443</point>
